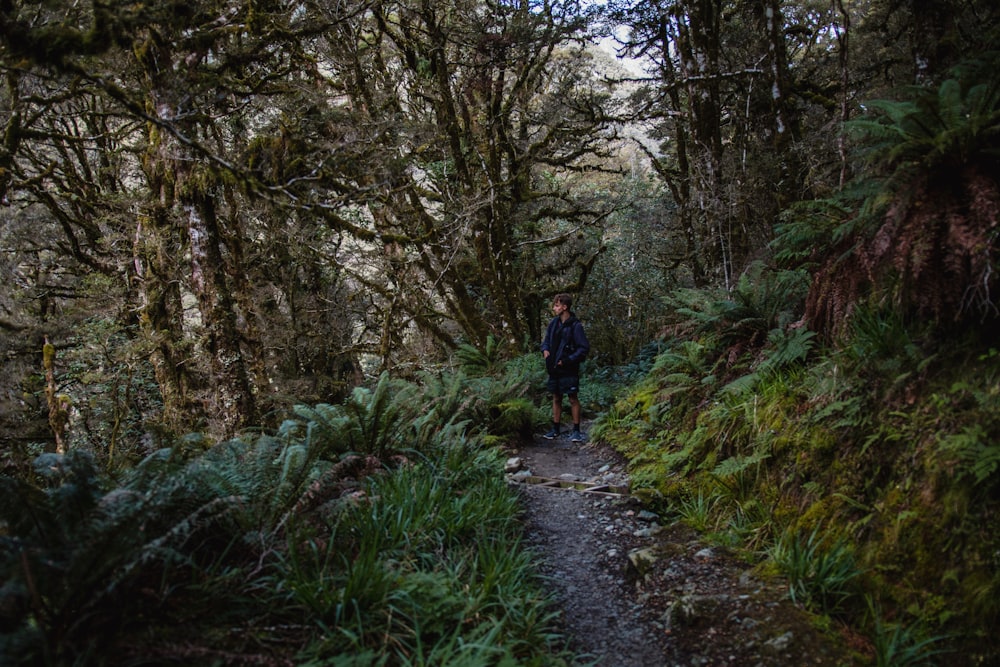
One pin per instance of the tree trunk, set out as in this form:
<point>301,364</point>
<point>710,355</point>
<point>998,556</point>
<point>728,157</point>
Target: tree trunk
<point>234,405</point>
<point>157,246</point>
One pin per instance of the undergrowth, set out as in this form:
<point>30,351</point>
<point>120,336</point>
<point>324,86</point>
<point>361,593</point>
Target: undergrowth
<point>380,531</point>
<point>868,469</point>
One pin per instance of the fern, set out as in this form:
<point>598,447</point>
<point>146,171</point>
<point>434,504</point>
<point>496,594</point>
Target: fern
<point>805,228</point>
<point>479,362</point>
<point>978,454</point>
<point>688,359</point>
<point>788,347</point>
<point>324,423</point>
<point>86,553</point>
<point>374,423</point>
<point>737,465</point>
<point>763,299</point>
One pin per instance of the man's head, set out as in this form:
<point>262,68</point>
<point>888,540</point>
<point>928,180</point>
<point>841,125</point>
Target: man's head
<point>561,304</point>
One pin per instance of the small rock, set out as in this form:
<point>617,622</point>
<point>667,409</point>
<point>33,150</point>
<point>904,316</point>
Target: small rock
<point>705,554</point>
<point>646,515</point>
<point>642,559</point>
<point>513,464</point>
<point>521,475</point>
<point>690,608</point>
<point>779,643</point>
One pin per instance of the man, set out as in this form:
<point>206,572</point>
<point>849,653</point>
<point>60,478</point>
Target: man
<point>564,347</point>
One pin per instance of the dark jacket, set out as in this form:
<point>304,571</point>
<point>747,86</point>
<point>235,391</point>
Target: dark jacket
<point>566,342</point>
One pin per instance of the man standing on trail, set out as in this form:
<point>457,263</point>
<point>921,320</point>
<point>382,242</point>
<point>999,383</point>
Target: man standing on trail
<point>564,347</point>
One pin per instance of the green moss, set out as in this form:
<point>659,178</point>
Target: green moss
<point>48,356</point>
<point>499,442</point>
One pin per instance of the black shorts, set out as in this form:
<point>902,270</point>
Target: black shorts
<point>568,384</point>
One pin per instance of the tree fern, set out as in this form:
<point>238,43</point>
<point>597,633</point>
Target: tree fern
<point>809,230</point>
<point>922,232</point>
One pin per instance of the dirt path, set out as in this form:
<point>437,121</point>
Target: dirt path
<point>634,593</point>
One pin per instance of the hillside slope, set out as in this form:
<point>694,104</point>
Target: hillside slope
<point>867,472</point>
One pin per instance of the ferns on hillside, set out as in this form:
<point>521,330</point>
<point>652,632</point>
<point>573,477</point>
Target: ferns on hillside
<point>763,299</point>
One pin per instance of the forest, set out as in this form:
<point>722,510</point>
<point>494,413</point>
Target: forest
<point>275,274</point>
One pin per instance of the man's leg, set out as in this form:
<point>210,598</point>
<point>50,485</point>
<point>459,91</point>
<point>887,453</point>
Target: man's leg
<point>556,417</point>
<point>574,409</point>
<point>576,412</point>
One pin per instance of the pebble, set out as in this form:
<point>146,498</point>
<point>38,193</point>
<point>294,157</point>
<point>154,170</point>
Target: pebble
<point>705,554</point>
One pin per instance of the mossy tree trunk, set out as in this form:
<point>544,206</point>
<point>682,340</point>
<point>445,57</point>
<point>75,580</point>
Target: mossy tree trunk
<point>720,97</point>
<point>187,192</point>
<point>213,275</point>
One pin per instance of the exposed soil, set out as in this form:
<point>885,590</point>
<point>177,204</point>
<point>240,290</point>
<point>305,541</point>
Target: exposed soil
<point>633,592</point>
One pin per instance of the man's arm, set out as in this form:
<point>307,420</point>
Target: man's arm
<point>547,341</point>
<point>580,343</point>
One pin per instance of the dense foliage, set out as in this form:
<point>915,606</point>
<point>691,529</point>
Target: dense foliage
<point>779,221</point>
<point>379,531</point>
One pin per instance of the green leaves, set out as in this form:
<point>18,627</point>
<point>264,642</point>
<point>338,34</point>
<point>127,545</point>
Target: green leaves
<point>917,228</point>
<point>318,541</point>
<point>954,125</point>
<point>477,362</point>
<point>371,421</point>
<point>820,574</point>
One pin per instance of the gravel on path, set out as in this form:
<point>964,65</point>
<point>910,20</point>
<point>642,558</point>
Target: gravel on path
<point>633,592</point>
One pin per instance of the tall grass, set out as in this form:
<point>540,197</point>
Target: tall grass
<point>431,570</point>
<point>899,645</point>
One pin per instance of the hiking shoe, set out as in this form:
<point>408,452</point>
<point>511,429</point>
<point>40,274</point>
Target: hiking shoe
<point>576,436</point>
<point>552,434</point>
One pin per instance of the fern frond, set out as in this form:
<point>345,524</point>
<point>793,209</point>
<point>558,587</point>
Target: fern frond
<point>477,362</point>
<point>788,347</point>
<point>736,465</point>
